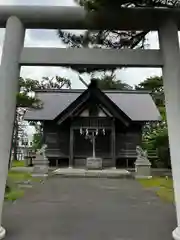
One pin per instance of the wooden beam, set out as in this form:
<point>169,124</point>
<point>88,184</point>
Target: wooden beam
<point>58,17</point>
<point>71,147</point>
<point>102,58</point>
<point>113,145</point>
<point>89,127</point>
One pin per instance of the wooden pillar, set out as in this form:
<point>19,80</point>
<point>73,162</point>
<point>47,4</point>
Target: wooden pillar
<point>113,145</point>
<point>71,146</point>
<point>57,163</point>
<point>127,163</point>
<point>43,137</point>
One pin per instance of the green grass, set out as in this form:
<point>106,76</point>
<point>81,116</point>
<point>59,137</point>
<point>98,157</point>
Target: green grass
<point>16,163</point>
<point>162,186</point>
<point>13,178</point>
<point>19,176</point>
<point>14,194</point>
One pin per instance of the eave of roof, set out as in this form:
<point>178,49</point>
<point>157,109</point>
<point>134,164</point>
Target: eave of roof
<point>82,90</point>
<point>93,92</point>
<point>138,105</point>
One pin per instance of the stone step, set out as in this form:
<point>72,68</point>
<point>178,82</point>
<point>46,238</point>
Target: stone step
<point>83,173</point>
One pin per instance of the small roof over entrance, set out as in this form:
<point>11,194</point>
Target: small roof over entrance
<point>132,105</point>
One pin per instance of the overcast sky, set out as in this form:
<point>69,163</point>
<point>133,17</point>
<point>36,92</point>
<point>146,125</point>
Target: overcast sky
<point>49,38</point>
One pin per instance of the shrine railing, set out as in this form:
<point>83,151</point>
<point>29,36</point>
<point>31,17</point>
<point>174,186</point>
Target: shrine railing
<point>121,154</point>
<point>126,153</point>
<point>55,153</point>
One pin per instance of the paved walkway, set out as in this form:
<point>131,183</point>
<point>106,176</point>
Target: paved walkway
<point>89,209</point>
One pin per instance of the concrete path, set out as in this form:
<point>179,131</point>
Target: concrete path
<point>89,209</point>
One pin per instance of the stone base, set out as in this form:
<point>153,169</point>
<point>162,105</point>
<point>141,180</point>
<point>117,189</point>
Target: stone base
<point>39,162</point>
<point>40,171</point>
<point>93,163</point>
<point>35,175</point>
<point>2,232</point>
<point>176,233</point>
<point>143,177</point>
<point>142,171</point>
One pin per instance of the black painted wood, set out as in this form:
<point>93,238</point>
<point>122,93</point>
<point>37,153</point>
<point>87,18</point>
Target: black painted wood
<point>113,144</point>
<point>71,146</point>
<point>65,142</point>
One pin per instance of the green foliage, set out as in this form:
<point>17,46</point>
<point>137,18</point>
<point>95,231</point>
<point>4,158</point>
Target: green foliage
<point>13,190</point>
<point>37,140</point>
<point>14,194</point>
<point>23,100</point>
<point>155,86</point>
<point>110,82</point>
<point>99,4</point>
<point>54,83</point>
<point>162,111</point>
<point>18,163</point>
<point>25,96</point>
<point>115,39</point>
<point>157,139</point>
<point>16,176</point>
<point>155,136</point>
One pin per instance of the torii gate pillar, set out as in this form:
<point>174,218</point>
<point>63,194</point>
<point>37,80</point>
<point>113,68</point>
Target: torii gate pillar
<point>9,76</point>
<point>169,45</point>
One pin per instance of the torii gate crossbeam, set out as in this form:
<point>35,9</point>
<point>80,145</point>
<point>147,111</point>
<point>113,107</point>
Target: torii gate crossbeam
<point>18,18</point>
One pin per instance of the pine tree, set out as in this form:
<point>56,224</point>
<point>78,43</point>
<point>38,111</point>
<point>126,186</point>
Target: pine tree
<point>114,39</point>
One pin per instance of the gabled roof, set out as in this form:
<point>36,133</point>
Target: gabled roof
<point>95,95</point>
<point>137,105</point>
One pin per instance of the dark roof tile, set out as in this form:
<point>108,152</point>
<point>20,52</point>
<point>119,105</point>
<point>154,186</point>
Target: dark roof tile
<point>137,105</point>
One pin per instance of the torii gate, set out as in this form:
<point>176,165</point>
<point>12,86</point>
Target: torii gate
<point>18,18</point>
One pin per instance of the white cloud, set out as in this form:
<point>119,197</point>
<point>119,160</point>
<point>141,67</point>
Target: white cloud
<point>134,76</point>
